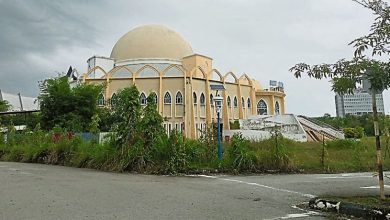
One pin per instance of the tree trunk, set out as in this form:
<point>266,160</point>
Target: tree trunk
<point>378,147</point>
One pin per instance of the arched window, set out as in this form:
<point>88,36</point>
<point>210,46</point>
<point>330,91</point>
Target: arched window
<point>101,100</point>
<point>179,98</point>
<point>229,102</point>
<point>167,98</point>
<point>211,100</point>
<point>113,100</point>
<point>142,99</point>
<point>235,103</point>
<point>154,97</point>
<point>249,102</point>
<point>202,99</point>
<point>261,108</point>
<point>243,102</point>
<point>277,108</point>
<point>195,98</point>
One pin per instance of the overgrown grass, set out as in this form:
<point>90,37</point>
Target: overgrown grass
<point>172,155</point>
<point>371,201</point>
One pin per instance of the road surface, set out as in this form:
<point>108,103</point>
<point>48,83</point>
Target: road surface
<point>35,191</point>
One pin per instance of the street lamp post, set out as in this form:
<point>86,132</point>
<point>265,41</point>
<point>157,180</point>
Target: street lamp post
<point>218,106</point>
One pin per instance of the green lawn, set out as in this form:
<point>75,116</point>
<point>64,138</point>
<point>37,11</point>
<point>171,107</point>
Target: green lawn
<point>340,156</point>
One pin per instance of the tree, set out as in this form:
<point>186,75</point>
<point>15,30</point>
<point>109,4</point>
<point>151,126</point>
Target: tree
<point>346,74</point>
<point>127,111</point>
<point>4,106</point>
<point>151,122</point>
<point>69,108</point>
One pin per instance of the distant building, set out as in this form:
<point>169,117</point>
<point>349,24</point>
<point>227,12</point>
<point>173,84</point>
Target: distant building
<point>358,103</point>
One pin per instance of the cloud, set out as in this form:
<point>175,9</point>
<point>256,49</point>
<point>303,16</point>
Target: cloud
<point>261,38</point>
<point>33,33</point>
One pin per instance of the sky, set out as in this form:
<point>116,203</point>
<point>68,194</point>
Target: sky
<point>263,39</point>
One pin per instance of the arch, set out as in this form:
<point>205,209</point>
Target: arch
<point>114,99</point>
<point>167,98</point>
<point>201,71</point>
<point>195,98</point>
<point>101,100</point>
<point>120,72</point>
<point>248,102</point>
<point>142,98</point>
<point>262,108</point>
<point>225,77</point>
<point>147,71</point>
<point>93,71</point>
<point>245,78</point>
<point>211,75</point>
<point>235,102</point>
<point>243,102</point>
<point>202,99</point>
<point>179,98</point>
<point>277,108</point>
<point>173,70</point>
<point>229,102</point>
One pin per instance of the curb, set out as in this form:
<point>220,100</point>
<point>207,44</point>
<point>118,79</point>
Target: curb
<point>346,208</point>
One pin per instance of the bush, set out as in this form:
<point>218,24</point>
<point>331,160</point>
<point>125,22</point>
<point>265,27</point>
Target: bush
<point>243,159</point>
<point>234,125</point>
<point>342,144</point>
<point>353,132</point>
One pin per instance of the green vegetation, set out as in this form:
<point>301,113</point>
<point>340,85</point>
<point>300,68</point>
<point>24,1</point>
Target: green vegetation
<point>138,142</point>
<point>353,132</point>
<point>172,155</point>
<point>370,201</point>
<point>71,109</point>
<point>350,121</point>
<point>234,125</point>
<point>4,106</point>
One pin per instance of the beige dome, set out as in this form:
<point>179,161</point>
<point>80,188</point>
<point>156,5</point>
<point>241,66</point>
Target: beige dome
<point>151,41</point>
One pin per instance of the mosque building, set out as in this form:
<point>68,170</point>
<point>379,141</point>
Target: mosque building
<point>158,60</point>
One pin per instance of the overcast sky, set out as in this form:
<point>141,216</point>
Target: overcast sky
<point>262,38</point>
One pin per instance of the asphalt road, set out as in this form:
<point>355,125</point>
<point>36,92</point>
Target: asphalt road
<point>34,191</point>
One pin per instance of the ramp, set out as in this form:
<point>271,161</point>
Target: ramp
<point>316,129</point>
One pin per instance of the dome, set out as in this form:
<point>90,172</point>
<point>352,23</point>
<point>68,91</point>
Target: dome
<point>151,41</point>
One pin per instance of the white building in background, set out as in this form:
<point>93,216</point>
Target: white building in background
<point>19,102</point>
<point>358,103</point>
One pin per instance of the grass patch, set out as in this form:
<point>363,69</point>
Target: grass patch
<point>371,201</point>
<point>171,155</point>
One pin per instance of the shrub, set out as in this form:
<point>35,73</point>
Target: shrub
<point>179,153</point>
<point>342,144</point>
<point>353,132</point>
<point>243,159</point>
<point>235,125</point>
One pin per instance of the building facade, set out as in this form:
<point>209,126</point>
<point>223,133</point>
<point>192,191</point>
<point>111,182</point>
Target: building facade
<point>358,103</point>
<point>158,60</point>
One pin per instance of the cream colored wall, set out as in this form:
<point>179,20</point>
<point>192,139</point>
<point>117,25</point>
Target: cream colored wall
<point>173,85</point>
<point>231,90</point>
<point>195,61</point>
<point>246,93</point>
<point>114,85</point>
